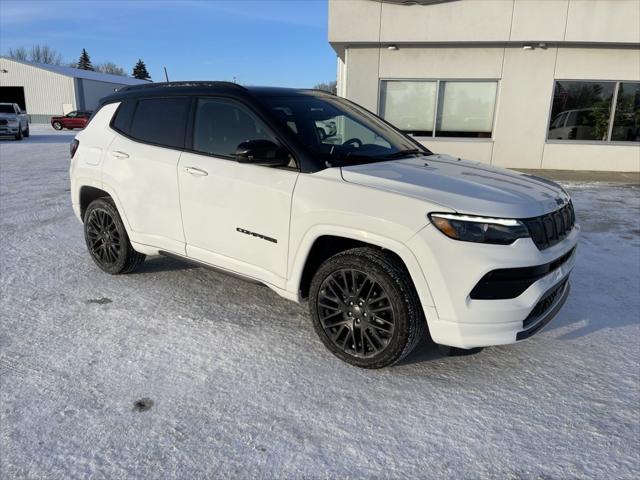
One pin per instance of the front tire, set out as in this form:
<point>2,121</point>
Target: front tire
<point>19,134</point>
<point>27,132</point>
<point>365,309</point>
<point>57,125</point>
<point>107,239</point>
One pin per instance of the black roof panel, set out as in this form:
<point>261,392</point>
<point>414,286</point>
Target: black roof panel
<point>204,88</point>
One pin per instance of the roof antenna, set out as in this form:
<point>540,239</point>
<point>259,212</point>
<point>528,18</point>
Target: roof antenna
<point>166,75</point>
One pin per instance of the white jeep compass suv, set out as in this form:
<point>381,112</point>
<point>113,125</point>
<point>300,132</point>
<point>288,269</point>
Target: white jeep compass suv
<point>323,201</point>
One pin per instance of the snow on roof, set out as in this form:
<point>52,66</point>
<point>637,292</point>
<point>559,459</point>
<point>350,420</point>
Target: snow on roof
<point>78,73</point>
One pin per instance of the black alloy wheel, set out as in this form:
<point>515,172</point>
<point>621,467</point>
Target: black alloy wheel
<point>364,307</point>
<point>107,239</point>
<point>356,313</point>
<point>104,238</point>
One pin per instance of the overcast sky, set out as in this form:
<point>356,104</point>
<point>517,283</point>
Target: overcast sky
<point>260,42</point>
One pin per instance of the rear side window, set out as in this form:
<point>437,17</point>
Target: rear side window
<point>160,121</point>
<point>122,120</point>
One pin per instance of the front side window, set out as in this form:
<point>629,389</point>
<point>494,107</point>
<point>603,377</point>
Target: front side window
<point>221,125</point>
<point>585,108</point>
<point>72,114</point>
<point>160,121</point>
<point>338,132</point>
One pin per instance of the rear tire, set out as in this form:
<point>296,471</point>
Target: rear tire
<point>107,239</point>
<point>57,125</point>
<point>365,308</point>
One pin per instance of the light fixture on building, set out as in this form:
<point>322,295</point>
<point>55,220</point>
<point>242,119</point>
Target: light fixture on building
<point>542,45</point>
<point>392,47</point>
<point>528,47</point>
<point>4,71</point>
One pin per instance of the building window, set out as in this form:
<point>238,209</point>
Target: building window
<point>465,109</point>
<point>626,119</point>
<point>595,111</point>
<point>409,105</point>
<point>454,108</point>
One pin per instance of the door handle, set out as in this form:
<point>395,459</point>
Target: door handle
<point>196,171</point>
<point>121,155</point>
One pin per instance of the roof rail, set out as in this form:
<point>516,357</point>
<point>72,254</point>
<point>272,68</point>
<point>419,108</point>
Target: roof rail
<point>146,86</point>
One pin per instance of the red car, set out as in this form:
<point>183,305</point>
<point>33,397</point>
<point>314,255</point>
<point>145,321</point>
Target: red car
<point>75,119</point>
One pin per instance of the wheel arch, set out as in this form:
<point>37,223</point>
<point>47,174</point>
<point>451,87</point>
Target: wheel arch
<point>321,243</point>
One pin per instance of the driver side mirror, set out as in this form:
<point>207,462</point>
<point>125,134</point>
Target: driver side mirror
<point>262,152</point>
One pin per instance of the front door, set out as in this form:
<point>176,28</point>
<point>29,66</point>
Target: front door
<point>235,216</point>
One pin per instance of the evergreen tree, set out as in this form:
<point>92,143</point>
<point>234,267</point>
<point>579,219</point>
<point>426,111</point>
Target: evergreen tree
<point>140,71</point>
<point>85,62</point>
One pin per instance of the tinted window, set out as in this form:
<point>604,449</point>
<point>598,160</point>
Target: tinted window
<point>221,125</point>
<point>626,121</point>
<point>339,132</point>
<point>122,119</point>
<point>7,109</point>
<point>587,107</point>
<point>160,121</point>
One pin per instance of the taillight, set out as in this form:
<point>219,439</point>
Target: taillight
<point>73,147</point>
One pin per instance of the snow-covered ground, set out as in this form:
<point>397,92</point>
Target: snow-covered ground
<point>242,387</point>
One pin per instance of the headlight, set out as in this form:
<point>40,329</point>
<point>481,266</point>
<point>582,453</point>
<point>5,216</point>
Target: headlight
<point>468,228</point>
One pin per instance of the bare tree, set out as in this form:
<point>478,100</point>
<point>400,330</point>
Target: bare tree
<point>19,53</point>
<point>37,54</point>
<point>331,87</point>
<point>110,67</point>
<point>45,54</point>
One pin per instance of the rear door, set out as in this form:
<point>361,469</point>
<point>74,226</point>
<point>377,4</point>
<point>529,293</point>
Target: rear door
<point>140,167</point>
<point>235,216</point>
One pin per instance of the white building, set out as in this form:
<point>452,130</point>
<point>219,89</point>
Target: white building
<point>47,90</point>
<point>517,83</point>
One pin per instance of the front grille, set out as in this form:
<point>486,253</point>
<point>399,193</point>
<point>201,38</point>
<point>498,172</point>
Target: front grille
<point>551,228</point>
<point>3,122</point>
<point>544,305</point>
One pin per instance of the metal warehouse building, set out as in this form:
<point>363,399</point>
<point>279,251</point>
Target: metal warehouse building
<point>526,84</point>
<point>47,90</point>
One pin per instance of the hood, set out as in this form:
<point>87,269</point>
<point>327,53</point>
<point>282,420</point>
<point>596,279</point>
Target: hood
<point>466,187</point>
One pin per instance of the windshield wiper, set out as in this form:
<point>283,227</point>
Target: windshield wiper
<point>403,153</point>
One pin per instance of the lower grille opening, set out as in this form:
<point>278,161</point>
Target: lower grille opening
<point>545,310</point>
<point>508,283</point>
<point>544,305</point>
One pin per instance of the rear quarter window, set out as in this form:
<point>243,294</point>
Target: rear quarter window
<point>160,121</point>
<point>122,119</point>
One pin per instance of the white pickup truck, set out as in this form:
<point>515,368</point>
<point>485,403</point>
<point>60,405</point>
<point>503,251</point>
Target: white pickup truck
<point>13,121</point>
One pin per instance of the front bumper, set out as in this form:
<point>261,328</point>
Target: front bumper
<point>457,320</point>
<point>8,130</point>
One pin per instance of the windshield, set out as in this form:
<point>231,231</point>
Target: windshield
<point>340,133</point>
<point>7,109</point>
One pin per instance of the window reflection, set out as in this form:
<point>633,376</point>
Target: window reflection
<point>581,111</point>
<point>626,120</point>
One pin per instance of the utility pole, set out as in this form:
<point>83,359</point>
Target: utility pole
<point>166,75</point>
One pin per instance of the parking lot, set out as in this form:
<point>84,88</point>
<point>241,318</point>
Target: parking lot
<point>181,372</point>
